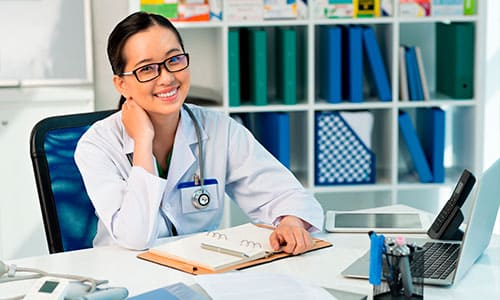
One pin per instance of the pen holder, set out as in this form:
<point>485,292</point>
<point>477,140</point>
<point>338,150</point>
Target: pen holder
<point>402,276</point>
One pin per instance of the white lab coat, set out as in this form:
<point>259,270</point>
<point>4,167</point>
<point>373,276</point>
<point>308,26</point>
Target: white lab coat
<point>135,208</point>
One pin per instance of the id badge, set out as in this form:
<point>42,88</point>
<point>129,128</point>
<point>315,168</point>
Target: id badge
<point>194,199</point>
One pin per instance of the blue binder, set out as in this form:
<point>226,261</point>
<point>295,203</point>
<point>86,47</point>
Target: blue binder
<point>414,82</point>
<point>352,50</point>
<point>414,147</point>
<point>331,64</point>
<point>272,130</point>
<point>431,127</point>
<point>377,65</point>
<point>341,157</point>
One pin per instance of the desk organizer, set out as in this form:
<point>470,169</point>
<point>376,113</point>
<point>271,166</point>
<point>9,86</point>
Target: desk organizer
<point>393,286</point>
<point>341,157</point>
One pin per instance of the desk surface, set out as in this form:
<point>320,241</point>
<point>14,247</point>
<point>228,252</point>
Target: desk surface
<point>322,267</point>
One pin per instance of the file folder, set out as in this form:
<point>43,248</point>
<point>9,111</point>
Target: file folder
<point>377,65</point>
<point>431,127</point>
<point>341,156</point>
<point>353,68</point>
<point>286,66</point>
<point>421,73</point>
<point>455,59</point>
<point>403,75</point>
<point>414,147</point>
<point>234,67</point>
<point>414,83</point>
<point>253,72</point>
<point>331,64</point>
<point>272,129</point>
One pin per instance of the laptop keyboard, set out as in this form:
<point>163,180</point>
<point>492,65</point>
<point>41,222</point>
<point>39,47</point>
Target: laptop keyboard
<point>440,259</point>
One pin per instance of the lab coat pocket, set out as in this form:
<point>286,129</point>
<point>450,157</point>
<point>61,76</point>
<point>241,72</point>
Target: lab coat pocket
<point>194,199</point>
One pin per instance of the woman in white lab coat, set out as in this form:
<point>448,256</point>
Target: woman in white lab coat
<point>141,166</point>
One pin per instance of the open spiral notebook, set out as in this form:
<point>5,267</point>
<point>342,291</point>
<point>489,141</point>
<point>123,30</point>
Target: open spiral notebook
<point>220,251</point>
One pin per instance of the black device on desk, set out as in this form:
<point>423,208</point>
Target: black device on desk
<point>447,223</point>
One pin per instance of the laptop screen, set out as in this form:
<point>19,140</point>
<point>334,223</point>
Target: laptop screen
<point>481,220</point>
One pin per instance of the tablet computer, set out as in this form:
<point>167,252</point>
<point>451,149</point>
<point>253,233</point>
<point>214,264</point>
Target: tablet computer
<point>355,221</point>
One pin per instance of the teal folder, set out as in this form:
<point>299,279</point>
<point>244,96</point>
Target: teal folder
<point>253,71</point>
<point>233,42</point>
<point>286,60</point>
<point>455,59</point>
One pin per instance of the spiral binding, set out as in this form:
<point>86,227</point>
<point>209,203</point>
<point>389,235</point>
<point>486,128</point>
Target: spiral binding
<point>217,235</point>
<point>248,243</point>
<point>244,243</point>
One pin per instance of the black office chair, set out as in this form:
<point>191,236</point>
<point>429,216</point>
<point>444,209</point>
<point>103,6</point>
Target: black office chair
<point>68,215</point>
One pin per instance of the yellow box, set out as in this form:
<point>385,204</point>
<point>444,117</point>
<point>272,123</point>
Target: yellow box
<point>152,2</point>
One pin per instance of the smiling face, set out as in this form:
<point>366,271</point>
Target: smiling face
<point>166,93</point>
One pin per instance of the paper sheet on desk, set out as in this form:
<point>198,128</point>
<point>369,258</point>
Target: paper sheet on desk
<point>258,285</point>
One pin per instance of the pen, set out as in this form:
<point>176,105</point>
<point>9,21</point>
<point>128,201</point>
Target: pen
<point>403,251</point>
<point>224,250</point>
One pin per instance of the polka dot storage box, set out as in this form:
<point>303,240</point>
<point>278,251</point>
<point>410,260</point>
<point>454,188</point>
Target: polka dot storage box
<point>341,156</point>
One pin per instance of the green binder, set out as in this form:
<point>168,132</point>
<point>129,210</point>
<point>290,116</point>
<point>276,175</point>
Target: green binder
<point>233,42</point>
<point>286,80</point>
<point>254,66</point>
<point>455,59</point>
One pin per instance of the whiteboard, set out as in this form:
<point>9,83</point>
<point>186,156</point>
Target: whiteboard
<point>45,41</point>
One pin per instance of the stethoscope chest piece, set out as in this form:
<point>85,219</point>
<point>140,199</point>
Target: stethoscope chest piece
<point>201,199</point>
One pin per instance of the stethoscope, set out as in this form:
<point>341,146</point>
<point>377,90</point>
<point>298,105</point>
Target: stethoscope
<point>201,197</point>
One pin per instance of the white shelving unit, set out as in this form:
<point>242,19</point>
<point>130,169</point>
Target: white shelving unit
<point>207,44</point>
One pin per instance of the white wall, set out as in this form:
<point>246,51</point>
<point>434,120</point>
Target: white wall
<point>492,101</point>
<point>48,49</point>
<point>105,15</point>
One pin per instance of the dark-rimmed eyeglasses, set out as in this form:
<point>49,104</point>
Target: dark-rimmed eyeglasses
<point>149,72</point>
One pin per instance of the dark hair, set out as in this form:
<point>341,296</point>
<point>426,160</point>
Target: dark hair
<point>129,26</point>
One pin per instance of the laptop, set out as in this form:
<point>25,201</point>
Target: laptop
<point>477,235</point>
